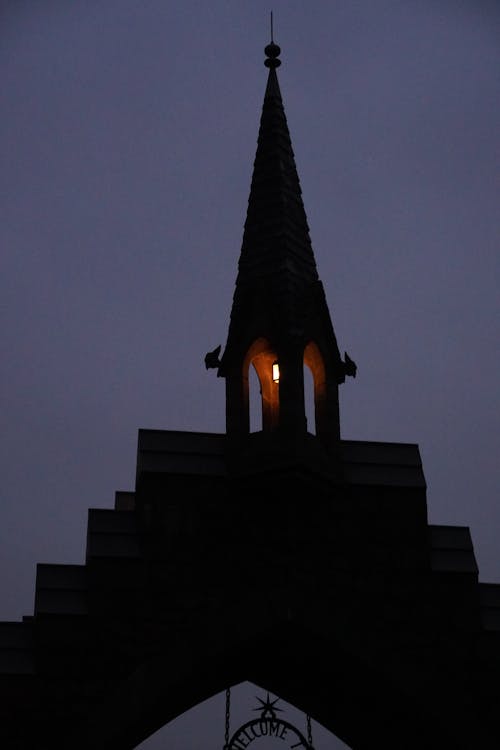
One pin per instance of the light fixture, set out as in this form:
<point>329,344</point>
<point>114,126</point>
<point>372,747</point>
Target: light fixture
<point>276,372</point>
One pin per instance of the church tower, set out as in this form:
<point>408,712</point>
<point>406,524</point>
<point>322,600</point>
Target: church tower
<point>280,320</point>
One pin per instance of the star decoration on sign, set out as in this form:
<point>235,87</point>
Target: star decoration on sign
<point>267,707</point>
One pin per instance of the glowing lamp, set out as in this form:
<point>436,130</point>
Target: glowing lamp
<point>276,372</point>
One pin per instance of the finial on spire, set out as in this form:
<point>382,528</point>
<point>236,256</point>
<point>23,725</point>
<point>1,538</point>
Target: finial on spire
<point>272,51</point>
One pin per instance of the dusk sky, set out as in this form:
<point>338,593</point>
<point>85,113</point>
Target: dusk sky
<point>127,139</point>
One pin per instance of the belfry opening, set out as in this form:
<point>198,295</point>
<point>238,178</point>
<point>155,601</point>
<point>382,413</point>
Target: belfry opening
<point>264,360</point>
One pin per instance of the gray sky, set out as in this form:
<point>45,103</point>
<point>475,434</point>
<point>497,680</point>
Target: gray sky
<point>127,139</point>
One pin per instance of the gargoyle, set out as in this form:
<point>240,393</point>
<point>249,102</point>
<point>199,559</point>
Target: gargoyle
<point>212,358</point>
<point>349,366</point>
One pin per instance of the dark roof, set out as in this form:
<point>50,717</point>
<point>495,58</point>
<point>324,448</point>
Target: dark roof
<point>452,550</point>
<point>175,452</point>
<point>376,463</point>
<point>165,452</point>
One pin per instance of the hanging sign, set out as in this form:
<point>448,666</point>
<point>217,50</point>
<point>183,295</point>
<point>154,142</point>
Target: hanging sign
<point>268,726</point>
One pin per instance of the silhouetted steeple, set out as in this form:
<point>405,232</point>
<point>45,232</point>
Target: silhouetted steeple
<point>279,314</point>
<point>276,245</point>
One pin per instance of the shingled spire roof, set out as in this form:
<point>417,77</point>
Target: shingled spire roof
<point>276,238</point>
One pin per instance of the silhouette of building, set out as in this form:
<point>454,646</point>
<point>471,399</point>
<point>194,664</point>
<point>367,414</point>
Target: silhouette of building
<point>290,558</point>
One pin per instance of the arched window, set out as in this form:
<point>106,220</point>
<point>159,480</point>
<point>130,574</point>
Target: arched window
<point>309,400</point>
<point>314,366</point>
<point>260,358</point>
<point>255,400</point>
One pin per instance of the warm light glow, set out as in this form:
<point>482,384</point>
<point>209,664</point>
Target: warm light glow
<point>276,372</point>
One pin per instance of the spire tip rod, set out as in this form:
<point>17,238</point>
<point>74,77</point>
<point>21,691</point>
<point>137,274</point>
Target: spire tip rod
<point>272,50</point>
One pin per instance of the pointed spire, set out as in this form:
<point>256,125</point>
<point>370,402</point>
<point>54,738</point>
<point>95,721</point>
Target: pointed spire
<point>279,317</point>
<point>276,243</point>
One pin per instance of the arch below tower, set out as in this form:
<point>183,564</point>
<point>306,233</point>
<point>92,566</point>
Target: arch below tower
<point>303,660</point>
<point>184,731</point>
